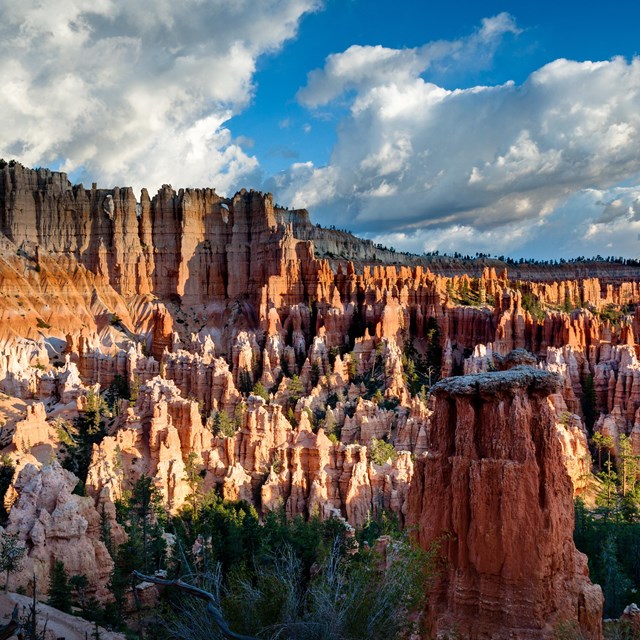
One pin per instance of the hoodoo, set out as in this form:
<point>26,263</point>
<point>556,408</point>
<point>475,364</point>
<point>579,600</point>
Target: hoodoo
<point>503,516</point>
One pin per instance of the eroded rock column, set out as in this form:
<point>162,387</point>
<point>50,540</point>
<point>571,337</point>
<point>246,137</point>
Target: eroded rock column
<point>495,494</point>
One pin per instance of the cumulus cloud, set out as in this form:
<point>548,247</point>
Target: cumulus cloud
<point>589,222</point>
<point>134,95</point>
<point>362,68</point>
<point>492,162</point>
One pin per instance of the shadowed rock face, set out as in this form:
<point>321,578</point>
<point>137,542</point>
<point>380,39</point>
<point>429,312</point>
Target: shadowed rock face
<point>504,516</point>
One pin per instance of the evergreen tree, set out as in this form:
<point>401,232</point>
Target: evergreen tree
<point>11,555</point>
<point>128,558</point>
<point>239,413</point>
<point>134,387</point>
<point>145,507</point>
<point>433,362</point>
<point>628,464</point>
<point>79,584</point>
<point>88,429</point>
<point>296,391</point>
<point>59,588</point>
<point>352,367</point>
<point>600,441</point>
<point>6,476</point>
<point>193,472</point>
<point>244,381</point>
<point>330,424</point>
<point>29,622</point>
<point>260,390</point>
<point>118,389</point>
<point>143,514</point>
<point>223,425</point>
<point>615,584</point>
<point>381,451</point>
<point>589,403</point>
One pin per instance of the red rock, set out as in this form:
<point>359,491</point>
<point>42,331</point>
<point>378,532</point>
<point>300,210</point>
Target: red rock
<point>503,515</point>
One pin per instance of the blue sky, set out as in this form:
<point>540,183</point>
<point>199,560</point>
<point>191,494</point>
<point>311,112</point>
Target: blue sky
<point>275,122</point>
<point>501,127</point>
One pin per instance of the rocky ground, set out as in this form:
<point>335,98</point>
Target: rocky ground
<point>58,624</point>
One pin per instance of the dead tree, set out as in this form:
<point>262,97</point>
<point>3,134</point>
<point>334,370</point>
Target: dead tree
<point>212,605</point>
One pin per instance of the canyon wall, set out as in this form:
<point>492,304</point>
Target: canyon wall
<point>314,347</point>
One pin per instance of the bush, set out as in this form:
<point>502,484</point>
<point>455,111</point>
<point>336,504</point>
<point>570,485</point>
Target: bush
<point>303,584</point>
<point>380,452</point>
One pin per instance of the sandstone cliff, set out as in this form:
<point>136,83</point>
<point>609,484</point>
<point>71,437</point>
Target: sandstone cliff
<point>55,524</point>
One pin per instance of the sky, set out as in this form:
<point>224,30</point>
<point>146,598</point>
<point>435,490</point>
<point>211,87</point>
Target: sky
<point>509,128</point>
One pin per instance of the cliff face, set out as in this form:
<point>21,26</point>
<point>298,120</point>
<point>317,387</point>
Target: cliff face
<point>192,244</point>
<point>503,516</point>
<point>78,260</point>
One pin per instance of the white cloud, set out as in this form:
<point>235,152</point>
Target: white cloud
<point>133,94</point>
<point>587,223</point>
<point>362,68</point>
<point>412,155</point>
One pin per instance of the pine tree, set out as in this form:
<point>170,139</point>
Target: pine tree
<point>589,403</point>
<point>11,555</point>
<point>79,584</point>
<point>260,390</point>
<point>238,414</point>
<point>29,622</point>
<point>433,362</point>
<point>193,474</point>
<point>145,507</point>
<point>59,588</point>
<point>352,367</point>
<point>600,441</point>
<point>296,390</point>
<point>628,465</point>
<point>615,584</point>
<point>223,425</point>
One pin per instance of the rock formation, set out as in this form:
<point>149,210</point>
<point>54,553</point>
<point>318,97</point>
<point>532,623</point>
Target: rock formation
<point>55,524</point>
<point>503,516</point>
<point>306,472</point>
<point>310,344</point>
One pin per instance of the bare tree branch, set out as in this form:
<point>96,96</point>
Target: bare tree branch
<point>212,605</point>
<point>11,627</point>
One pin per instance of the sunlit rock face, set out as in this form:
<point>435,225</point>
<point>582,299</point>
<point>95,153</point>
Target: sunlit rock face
<point>55,524</point>
<point>503,516</point>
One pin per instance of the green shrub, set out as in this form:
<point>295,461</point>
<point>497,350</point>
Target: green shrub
<point>380,452</point>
